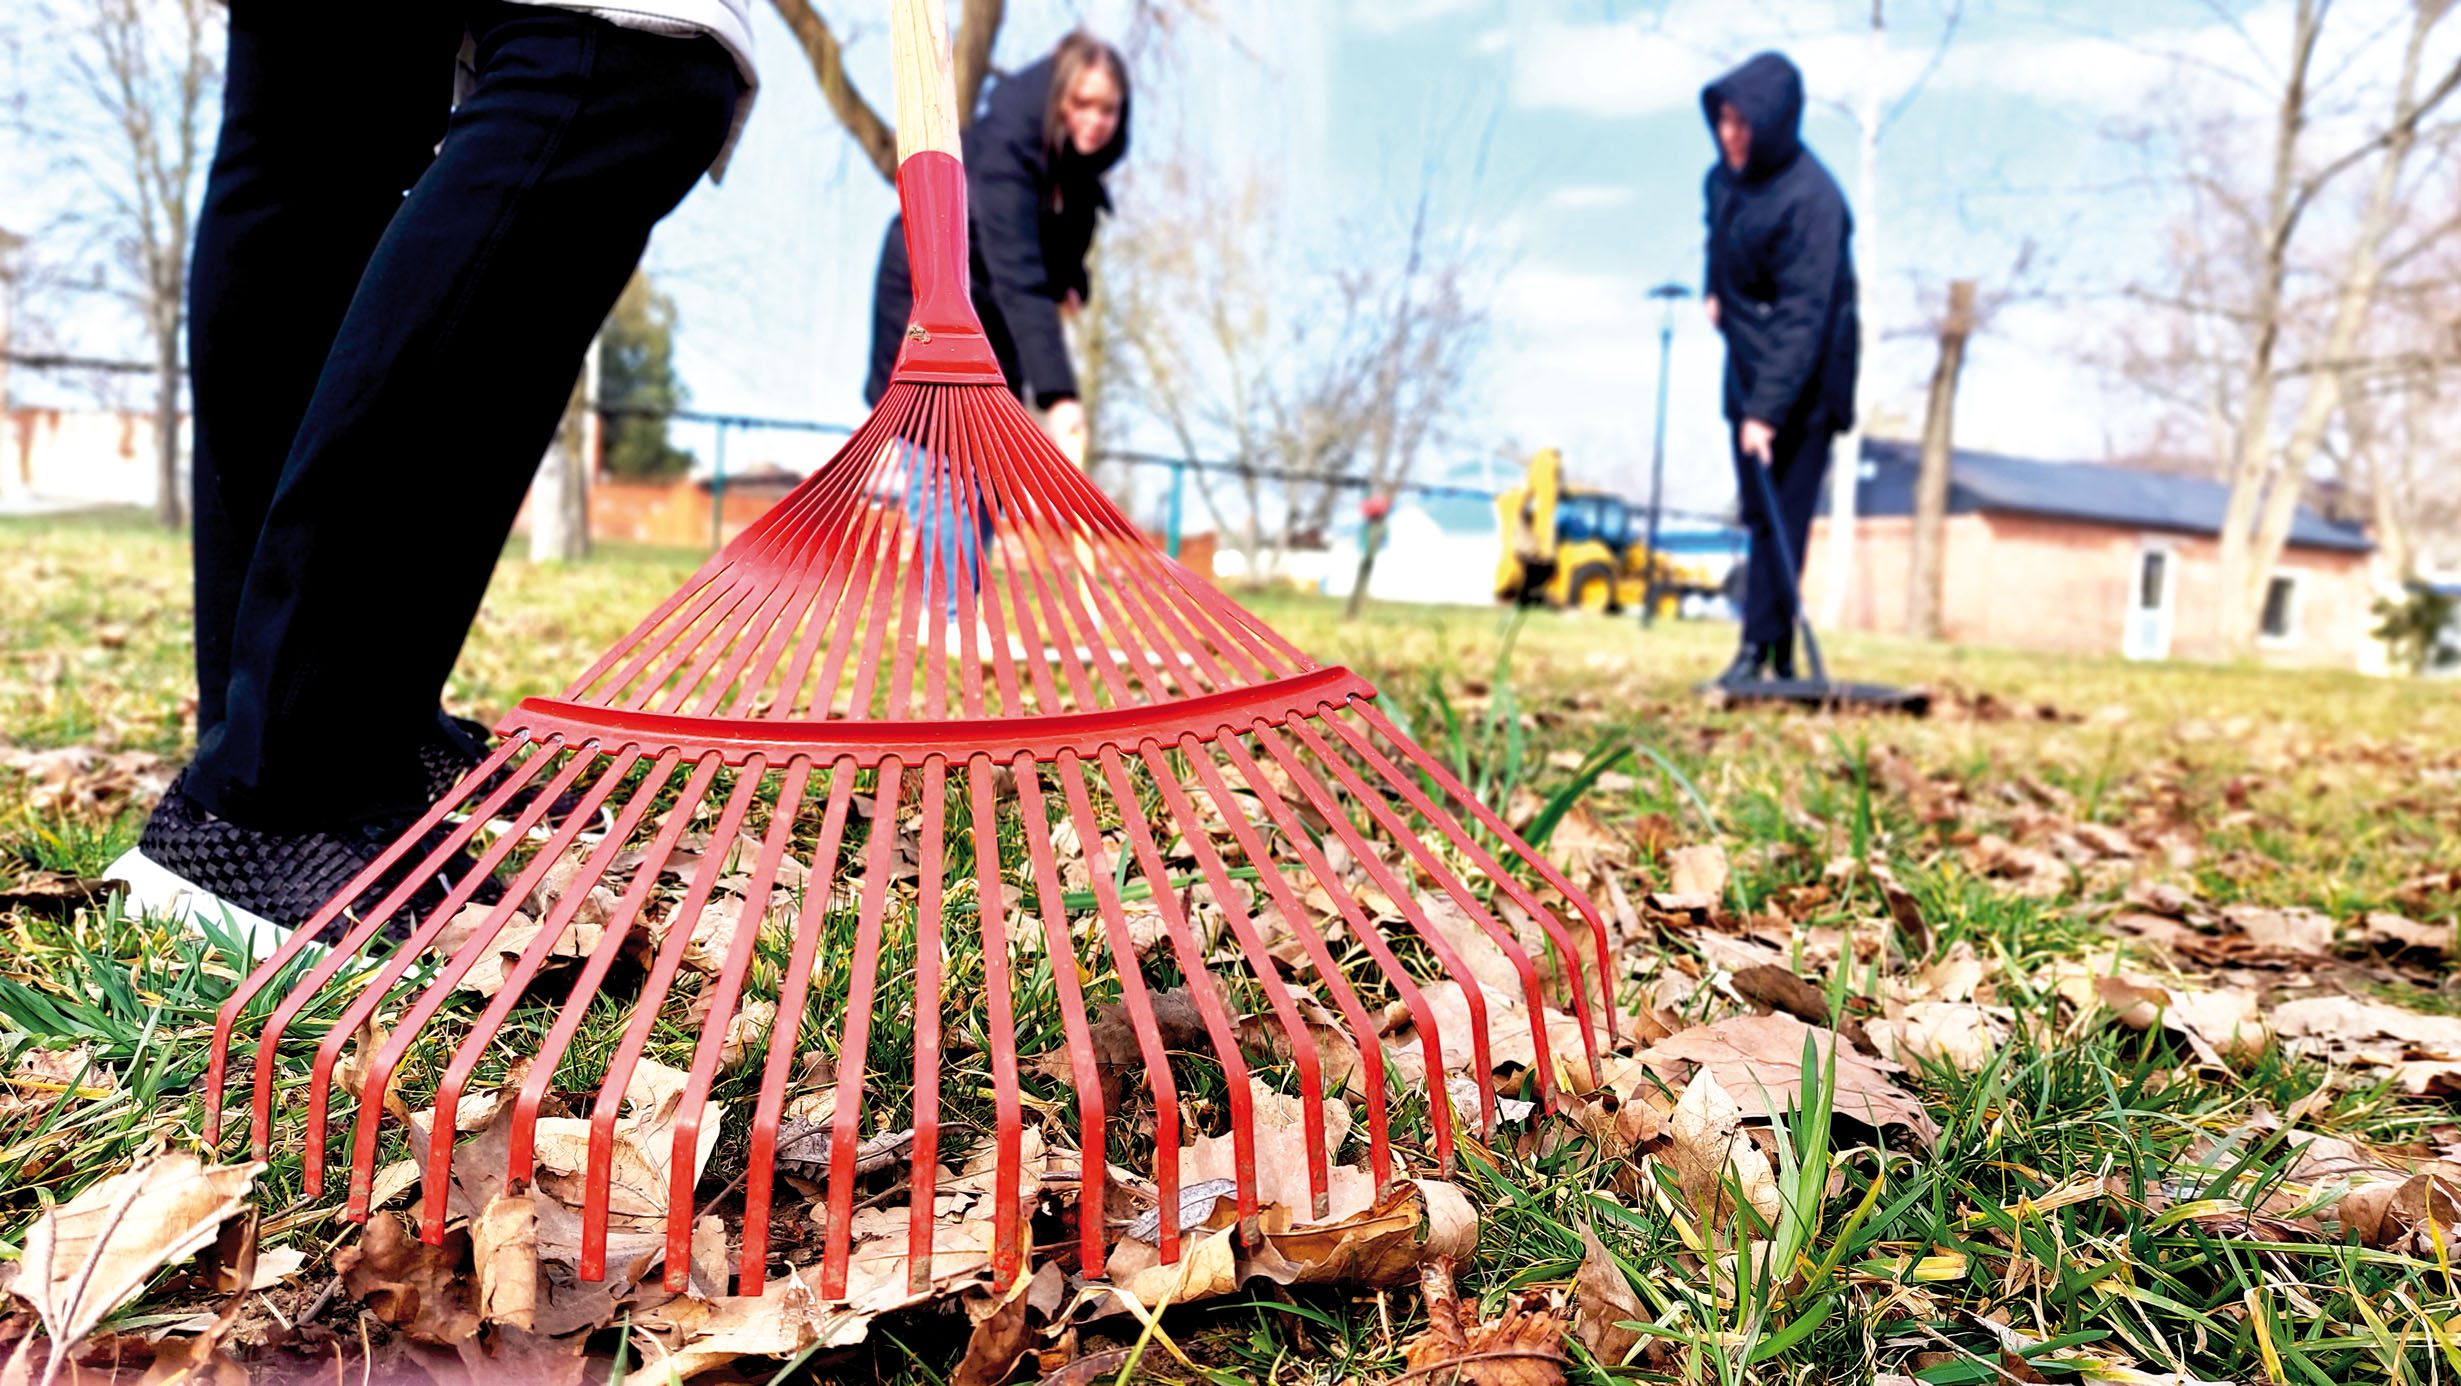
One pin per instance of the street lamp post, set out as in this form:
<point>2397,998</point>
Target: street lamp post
<point>1667,294</point>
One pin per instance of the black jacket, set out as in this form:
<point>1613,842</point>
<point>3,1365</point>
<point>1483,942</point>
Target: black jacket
<point>1781,261</point>
<point>1030,218</point>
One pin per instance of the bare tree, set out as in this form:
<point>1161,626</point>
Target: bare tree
<point>1310,386</point>
<point>2271,277</point>
<point>150,73</point>
<point>1431,335</point>
<point>978,29</point>
<point>1931,486</point>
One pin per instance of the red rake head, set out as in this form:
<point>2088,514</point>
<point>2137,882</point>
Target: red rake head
<point>942,708</point>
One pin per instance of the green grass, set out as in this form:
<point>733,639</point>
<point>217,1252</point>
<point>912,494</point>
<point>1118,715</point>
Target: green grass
<point>2311,788</point>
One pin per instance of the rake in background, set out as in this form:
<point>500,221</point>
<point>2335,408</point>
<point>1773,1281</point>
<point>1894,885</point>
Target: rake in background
<point>947,626</point>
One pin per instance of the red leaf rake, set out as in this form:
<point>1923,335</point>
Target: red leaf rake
<point>946,616</point>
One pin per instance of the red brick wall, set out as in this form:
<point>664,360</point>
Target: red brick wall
<point>2027,582</point>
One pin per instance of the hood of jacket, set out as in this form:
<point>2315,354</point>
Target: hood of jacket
<point>1012,114</point>
<point>1768,90</point>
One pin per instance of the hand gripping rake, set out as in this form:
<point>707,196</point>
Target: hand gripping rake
<point>947,621</point>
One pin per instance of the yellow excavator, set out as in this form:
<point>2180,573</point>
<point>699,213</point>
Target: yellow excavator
<point>1564,547</point>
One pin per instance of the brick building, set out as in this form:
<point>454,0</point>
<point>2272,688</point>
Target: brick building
<point>2087,559</point>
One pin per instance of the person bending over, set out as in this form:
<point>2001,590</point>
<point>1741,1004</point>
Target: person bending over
<point>1035,158</point>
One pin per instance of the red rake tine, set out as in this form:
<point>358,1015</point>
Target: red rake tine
<point>845,1131</point>
<point>1422,1016</point>
<point>726,997</point>
<point>922,1179</point>
<point>1092,1131</point>
<point>303,938</point>
<point>1008,1124</point>
<point>784,1042</point>
<point>599,1179</point>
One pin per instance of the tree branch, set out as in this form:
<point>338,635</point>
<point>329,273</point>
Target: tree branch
<point>977,26</point>
<point>874,136</point>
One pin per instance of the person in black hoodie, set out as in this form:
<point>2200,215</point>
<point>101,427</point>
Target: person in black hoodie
<point>1781,290</point>
<point>1035,158</point>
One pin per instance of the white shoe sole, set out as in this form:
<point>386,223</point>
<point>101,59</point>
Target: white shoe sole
<point>155,889</point>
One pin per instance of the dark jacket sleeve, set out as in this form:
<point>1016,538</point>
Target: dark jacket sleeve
<point>1807,254</point>
<point>1008,218</point>
<point>1709,235</point>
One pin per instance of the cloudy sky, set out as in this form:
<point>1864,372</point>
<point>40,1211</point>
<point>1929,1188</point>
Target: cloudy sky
<point>1573,150</point>
<point>1569,144</point>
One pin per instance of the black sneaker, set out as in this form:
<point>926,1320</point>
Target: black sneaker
<point>188,862</point>
<point>461,746</point>
<point>458,747</point>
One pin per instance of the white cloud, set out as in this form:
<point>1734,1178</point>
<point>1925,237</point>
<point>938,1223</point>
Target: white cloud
<point>1635,68</point>
<point>1585,197</point>
<point>1392,16</point>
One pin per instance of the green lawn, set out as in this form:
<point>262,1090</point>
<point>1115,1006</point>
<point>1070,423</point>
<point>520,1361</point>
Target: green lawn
<point>2110,1191</point>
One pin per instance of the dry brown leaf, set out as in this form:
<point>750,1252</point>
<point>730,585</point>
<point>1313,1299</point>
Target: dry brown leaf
<point>644,1145</point>
<point>2223,1027</point>
<point>1714,1163</point>
<point>492,969</point>
<point>1000,1337</point>
<point>750,1025</point>
<point>1758,1060</point>
<point>2391,933</point>
<point>2299,932</point>
<point>1699,870</point>
<point>417,1288</point>
<point>88,1256</point>
<point>1605,1302</point>
<point>2038,874</point>
<point>1523,1346</point>
<point>1959,1032</point>
<point>504,1247</point>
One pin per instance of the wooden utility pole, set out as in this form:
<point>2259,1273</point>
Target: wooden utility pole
<point>1931,487</point>
<point>1846,464</point>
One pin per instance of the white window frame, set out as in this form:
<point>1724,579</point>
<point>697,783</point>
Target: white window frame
<point>2295,610</point>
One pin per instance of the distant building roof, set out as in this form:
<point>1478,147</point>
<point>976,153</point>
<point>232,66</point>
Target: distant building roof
<point>1983,481</point>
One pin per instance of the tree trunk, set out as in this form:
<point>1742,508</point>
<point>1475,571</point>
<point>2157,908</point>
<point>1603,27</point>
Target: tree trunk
<point>1371,540</point>
<point>560,497</point>
<point>169,511</point>
<point>1931,487</point>
<point>2234,623</point>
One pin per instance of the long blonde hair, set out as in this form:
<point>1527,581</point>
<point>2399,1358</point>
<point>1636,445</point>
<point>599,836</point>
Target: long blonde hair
<point>1078,51</point>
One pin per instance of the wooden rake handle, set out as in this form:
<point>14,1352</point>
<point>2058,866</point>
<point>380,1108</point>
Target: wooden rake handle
<point>926,85</point>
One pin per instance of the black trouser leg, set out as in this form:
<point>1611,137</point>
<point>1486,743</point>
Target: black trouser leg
<point>441,391</point>
<point>1800,458</point>
<point>329,114</point>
